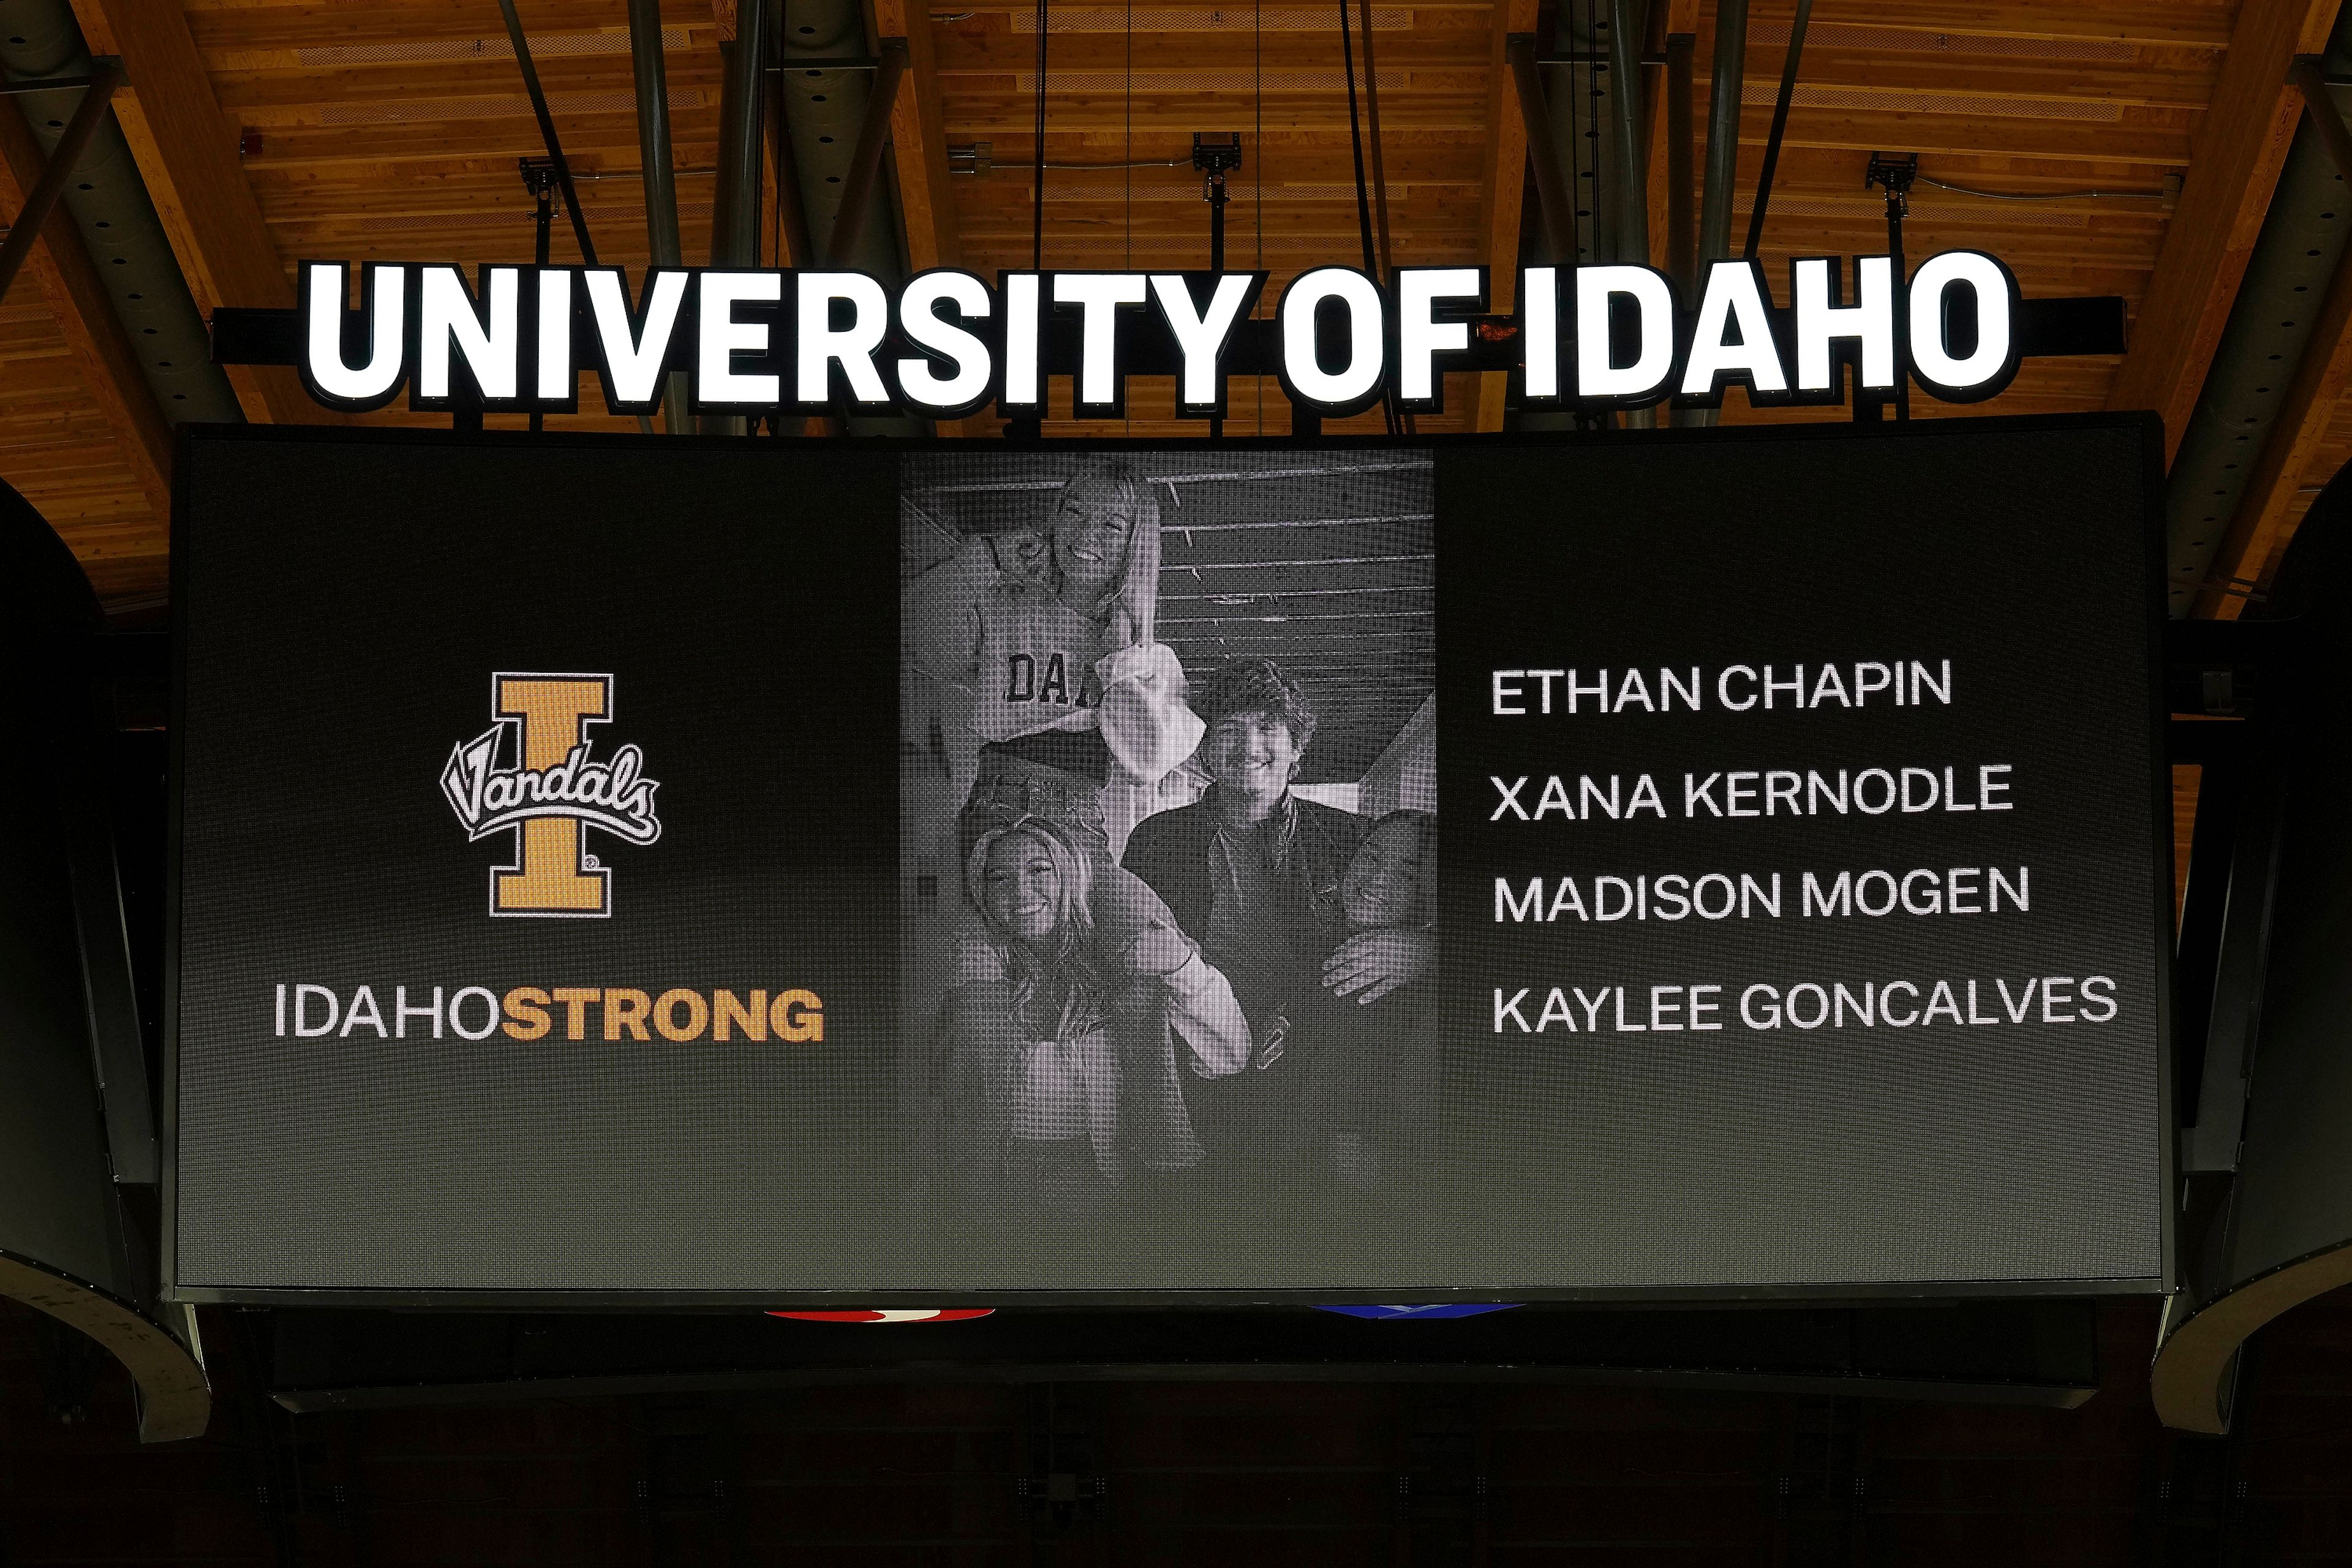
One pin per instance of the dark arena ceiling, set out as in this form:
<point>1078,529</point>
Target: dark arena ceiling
<point>2102,147</point>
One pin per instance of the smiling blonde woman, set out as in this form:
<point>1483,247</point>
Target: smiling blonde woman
<point>1058,1070</point>
<point>1076,706</point>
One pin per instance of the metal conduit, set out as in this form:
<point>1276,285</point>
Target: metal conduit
<point>742,114</point>
<point>110,205</point>
<point>742,110</point>
<point>1627,167</point>
<point>1730,77</point>
<point>1723,130</point>
<point>1577,94</point>
<point>824,109</point>
<point>1628,170</point>
<point>652,81</point>
<point>2304,237</point>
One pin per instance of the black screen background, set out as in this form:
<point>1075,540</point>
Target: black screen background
<point>1830,1155</point>
<point>346,606</point>
<point>343,605</point>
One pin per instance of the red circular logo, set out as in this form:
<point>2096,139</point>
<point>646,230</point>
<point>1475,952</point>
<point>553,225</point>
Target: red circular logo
<point>891,1315</point>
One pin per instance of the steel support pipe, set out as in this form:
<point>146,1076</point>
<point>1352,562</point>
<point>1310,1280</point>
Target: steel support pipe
<point>1722,147</point>
<point>1788,69</point>
<point>105,75</point>
<point>866,163</point>
<point>735,206</point>
<point>1723,129</point>
<point>1631,184</point>
<point>2310,77</point>
<point>1681,49</point>
<point>653,158</point>
<point>546,137</point>
<point>1625,149</point>
<point>1551,185</point>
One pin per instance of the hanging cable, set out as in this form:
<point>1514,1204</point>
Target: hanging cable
<point>1571,41</point>
<point>1037,205</point>
<point>1257,153</point>
<point>1129,164</point>
<point>1387,273</point>
<point>2043,195</point>
<point>1363,192</point>
<point>1789,68</point>
<point>1373,117</point>
<point>1128,177</point>
<point>1356,141</point>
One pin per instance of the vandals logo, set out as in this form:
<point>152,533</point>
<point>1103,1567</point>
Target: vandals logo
<point>550,789</point>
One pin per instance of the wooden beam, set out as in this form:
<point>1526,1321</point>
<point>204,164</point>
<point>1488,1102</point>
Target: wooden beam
<point>186,149</point>
<point>2235,162</point>
<point>2294,439</point>
<point>1501,188</point>
<point>60,265</point>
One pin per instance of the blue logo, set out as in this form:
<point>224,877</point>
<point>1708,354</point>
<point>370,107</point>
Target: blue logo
<point>1437,1309</point>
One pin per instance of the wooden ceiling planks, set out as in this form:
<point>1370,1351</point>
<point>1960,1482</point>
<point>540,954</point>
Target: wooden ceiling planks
<point>1271,72</point>
<point>2035,101</point>
<point>2205,255</point>
<point>60,452</point>
<point>389,131</point>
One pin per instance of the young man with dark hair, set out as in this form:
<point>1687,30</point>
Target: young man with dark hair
<point>1252,872</point>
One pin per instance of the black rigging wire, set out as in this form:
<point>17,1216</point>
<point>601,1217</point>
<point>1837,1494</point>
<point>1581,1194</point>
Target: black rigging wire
<point>1037,209</point>
<point>2040,195</point>
<point>1387,274</point>
<point>1363,191</point>
<point>1129,165</point>
<point>1569,42</point>
<point>1128,176</point>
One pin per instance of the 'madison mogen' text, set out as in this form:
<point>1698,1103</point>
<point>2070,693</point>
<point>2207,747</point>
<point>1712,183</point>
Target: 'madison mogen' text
<point>1719,895</point>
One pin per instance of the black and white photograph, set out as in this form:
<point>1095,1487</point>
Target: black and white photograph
<point>1169,840</point>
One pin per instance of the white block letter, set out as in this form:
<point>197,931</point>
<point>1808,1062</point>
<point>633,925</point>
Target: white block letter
<point>1098,296</point>
<point>1303,376</point>
<point>718,335</point>
<point>851,347</point>
<point>634,355</point>
<point>1818,322</point>
<point>1539,326</point>
<point>1989,368</point>
<point>922,387</point>
<point>1420,339</point>
<point>1201,337</point>
<point>326,291</point>
<point>1597,377</point>
<point>557,381</point>
<point>445,316</point>
<point>1734,299</point>
<point>1023,390</point>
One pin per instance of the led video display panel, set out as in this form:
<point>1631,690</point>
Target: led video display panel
<point>770,871</point>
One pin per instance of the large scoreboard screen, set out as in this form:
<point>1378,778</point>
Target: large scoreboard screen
<point>1686,863</point>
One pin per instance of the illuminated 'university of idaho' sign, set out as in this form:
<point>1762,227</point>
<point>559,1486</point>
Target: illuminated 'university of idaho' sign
<point>947,343</point>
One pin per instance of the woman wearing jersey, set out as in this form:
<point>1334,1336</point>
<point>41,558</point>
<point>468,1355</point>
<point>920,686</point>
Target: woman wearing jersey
<point>1078,710</point>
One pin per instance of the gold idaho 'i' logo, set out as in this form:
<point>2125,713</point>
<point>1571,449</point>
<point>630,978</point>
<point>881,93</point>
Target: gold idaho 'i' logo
<point>533,772</point>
